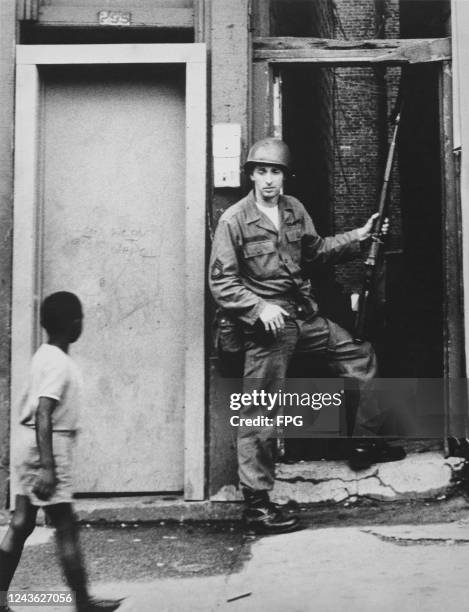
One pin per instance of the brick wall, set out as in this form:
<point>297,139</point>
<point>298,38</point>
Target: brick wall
<point>356,163</point>
<point>325,27</point>
<point>363,99</point>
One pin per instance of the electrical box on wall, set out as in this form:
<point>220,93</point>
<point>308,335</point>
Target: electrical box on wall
<point>226,154</point>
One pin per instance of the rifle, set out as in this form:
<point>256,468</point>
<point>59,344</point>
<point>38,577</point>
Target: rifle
<point>376,247</point>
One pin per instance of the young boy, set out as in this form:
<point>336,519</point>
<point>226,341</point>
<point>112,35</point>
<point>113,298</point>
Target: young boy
<point>49,418</point>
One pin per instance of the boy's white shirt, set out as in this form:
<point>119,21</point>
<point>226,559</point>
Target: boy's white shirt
<point>53,374</point>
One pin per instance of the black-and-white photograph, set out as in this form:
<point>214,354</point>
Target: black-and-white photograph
<point>233,253</point>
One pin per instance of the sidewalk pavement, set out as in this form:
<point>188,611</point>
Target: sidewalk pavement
<point>327,570</point>
<point>383,565</point>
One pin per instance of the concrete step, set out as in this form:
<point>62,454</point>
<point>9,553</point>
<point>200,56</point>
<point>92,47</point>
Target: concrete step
<point>145,509</point>
<point>426,475</point>
<point>418,476</point>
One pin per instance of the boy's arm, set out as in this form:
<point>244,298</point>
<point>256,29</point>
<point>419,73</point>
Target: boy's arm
<point>46,480</point>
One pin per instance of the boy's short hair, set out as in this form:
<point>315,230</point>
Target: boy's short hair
<point>58,310</point>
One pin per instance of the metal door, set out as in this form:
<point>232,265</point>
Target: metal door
<point>113,185</point>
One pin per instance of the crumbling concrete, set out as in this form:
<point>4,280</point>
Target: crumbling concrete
<point>419,476</point>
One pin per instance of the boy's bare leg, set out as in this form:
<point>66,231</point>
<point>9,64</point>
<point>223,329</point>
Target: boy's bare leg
<point>21,526</point>
<point>66,532</point>
<point>67,535</point>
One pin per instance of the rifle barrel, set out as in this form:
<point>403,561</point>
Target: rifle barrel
<point>376,242</point>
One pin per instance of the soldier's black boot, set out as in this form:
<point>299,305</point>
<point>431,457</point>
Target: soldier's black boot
<point>365,454</point>
<point>263,516</point>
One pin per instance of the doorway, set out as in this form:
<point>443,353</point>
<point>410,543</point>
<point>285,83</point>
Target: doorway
<point>336,119</point>
<point>118,138</point>
<point>337,123</point>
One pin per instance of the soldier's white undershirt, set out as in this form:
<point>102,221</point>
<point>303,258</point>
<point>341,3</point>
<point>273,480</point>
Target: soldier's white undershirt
<point>271,212</point>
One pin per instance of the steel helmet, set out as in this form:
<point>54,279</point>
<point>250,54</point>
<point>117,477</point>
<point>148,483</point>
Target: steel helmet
<point>272,151</point>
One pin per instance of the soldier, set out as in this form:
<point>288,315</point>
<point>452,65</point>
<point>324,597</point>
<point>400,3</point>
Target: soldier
<point>262,249</point>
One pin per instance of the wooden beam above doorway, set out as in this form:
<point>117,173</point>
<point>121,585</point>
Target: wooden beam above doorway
<point>134,13</point>
<point>357,52</point>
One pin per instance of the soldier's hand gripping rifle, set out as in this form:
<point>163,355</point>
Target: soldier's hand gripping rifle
<point>376,247</point>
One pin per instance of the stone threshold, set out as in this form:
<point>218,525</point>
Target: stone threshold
<point>419,476</point>
<point>149,509</point>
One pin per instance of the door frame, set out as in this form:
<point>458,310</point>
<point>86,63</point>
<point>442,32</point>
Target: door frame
<point>270,53</point>
<point>26,288</point>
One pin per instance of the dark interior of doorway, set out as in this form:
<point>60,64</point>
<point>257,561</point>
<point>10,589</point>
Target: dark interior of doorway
<point>336,121</point>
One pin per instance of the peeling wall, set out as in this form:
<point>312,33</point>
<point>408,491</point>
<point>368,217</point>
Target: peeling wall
<point>7,59</point>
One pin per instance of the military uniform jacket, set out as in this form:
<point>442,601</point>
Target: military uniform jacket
<point>252,263</point>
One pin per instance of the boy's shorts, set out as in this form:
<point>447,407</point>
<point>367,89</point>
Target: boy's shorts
<point>27,465</point>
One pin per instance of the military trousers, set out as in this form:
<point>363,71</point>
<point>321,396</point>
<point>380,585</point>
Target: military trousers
<point>266,364</point>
